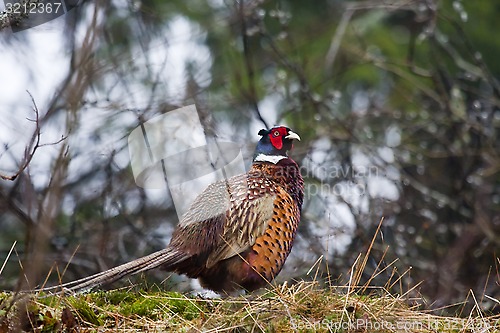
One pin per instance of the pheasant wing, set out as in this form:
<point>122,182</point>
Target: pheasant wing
<point>250,210</point>
<point>227,217</point>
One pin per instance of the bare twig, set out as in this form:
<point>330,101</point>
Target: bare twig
<point>31,149</point>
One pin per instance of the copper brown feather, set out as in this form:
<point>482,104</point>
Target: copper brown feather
<point>237,233</point>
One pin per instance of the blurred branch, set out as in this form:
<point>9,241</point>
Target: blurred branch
<point>337,39</point>
<point>252,96</point>
<point>480,65</point>
<point>381,4</point>
<point>38,237</point>
<point>14,208</point>
<point>34,144</point>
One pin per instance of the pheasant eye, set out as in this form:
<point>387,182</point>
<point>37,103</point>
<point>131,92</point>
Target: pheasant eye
<point>276,133</point>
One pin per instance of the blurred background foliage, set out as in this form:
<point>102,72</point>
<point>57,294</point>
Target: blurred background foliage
<point>397,104</point>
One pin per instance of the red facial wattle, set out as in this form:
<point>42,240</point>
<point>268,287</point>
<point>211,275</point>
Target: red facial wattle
<point>276,141</point>
<point>276,137</point>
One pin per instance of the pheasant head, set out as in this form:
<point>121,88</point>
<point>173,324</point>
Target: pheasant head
<point>274,144</point>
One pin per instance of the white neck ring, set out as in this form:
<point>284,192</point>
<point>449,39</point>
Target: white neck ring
<point>269,158</point>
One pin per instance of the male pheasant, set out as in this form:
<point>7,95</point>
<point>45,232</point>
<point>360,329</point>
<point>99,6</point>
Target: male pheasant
<point>246,245</point>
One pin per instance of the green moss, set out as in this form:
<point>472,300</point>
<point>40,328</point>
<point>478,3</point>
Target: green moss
<point>146,307</point>
<point>48,300</point>
<point>48,322</point>
<point>84,310</point>
<point>115,297</point>
<point>281,325</point>
<point>152,305</point>
<point>184,307</point>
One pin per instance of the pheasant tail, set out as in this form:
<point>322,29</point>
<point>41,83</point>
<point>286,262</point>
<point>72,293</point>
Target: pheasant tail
<point>166,258</point>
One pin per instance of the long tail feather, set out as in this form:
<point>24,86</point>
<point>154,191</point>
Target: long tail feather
<point>166,257</point>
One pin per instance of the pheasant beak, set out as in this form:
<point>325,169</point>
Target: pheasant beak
<point>292,135</point>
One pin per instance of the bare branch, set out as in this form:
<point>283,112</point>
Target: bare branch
<point>34,144</point>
